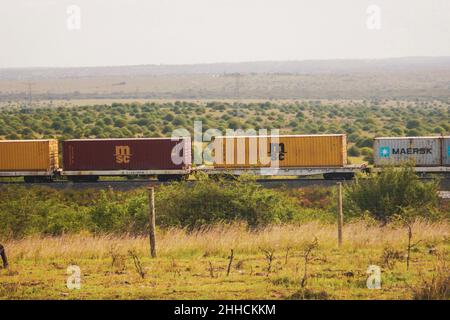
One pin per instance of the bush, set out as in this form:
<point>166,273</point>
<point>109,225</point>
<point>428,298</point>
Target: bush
<point>354,151</point>
<point>209,201</point>
<point>366,151</point>
<point>25,211</point>
<point>364,142</point>
<point>413,124</point>
<point>115,212</point>
<point>390,192</point>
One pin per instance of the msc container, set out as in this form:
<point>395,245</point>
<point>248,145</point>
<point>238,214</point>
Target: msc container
<point>294,151</point>
<point>446,151</point>
<point>83,156</point>
<point>28,155</point>
<point>422,151</point>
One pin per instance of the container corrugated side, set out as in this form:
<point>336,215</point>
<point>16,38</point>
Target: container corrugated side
<point>283,151</point>
<point>28,155</point>
<point>125,154</point>
<point>446,151</point>
<point>422,151</point>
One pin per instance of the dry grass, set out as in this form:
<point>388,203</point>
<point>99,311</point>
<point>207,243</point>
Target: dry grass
<point>183,267</point>
<point>438,286</point>
<point>219,239</point>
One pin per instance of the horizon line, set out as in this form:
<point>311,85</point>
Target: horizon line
<point>224,62</point>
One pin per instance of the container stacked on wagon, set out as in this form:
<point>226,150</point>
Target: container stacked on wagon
<point>171,158</point>
<point>87,159</point>
<point>422,152</point>
<point>36,160</point>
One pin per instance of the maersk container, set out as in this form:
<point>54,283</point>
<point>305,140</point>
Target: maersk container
<point>94,156</point>
<point>446,151</point>
<point>34,156</point>
<point>284,151</point>
<point>421,151</point>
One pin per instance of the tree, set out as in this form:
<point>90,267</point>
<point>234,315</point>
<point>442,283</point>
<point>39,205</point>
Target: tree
<point>390,192</point>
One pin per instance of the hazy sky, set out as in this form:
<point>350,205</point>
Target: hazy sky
<point>129,32</point>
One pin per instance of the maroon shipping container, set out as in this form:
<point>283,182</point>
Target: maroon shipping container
<point>126,156</point>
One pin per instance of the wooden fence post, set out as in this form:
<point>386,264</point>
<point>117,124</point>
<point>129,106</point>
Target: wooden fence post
<point>340,214</point>
<point>3,255</point>
<point>151,202</point>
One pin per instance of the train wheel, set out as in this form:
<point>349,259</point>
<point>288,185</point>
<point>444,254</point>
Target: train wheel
<point>37,179</point>
<point>83,178</point>
<point>171,177</point>
<point>339,176</point>
<point>29,179</point>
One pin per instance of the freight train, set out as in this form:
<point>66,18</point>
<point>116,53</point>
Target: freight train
<point>171,158</point>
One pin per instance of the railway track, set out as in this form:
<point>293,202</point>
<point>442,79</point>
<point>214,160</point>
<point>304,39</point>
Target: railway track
<point>141,183</point>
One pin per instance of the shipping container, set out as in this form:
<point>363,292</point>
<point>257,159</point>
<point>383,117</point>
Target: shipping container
<point>35,156</point>
<point>446,151</point>
<point>126,156</point>
<point>422,151</point>
<point>285,151</point>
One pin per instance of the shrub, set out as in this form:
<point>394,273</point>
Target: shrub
<point>413,124</point>
<point>354,151</point>
<point>24,212</point>
<point>388,193</point>
<point>209,201</point>
<point>365,142</point>
<point>366,151</point>
<point>119,213</point>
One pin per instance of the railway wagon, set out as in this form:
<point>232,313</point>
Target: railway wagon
<point>87,159</point>
<point>35,160</point>
<point>422,151</point>
<point>284,151</point>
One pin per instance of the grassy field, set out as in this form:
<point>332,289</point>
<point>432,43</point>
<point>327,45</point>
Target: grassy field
<point>194,265</point>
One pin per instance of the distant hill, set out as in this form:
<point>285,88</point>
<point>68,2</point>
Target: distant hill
<point>263,67</point>
<point>412,77</point>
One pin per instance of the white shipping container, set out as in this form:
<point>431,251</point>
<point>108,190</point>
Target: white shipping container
<point>446,151</point>
<point>422,151</point>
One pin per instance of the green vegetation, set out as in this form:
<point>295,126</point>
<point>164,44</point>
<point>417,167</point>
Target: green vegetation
<point>208,202</point>
<point>27,211</point>
<point>392,192</point>
<point>39,210</point>
<point>360,120</point>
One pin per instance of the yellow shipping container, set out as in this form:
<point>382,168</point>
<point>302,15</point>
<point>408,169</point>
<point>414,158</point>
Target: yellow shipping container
<point>328,150</point>
<point>28,155</point>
